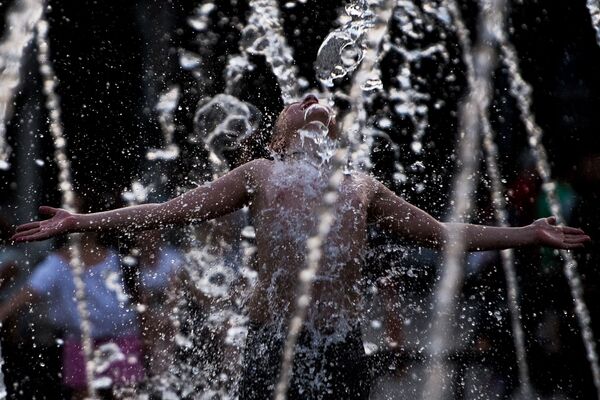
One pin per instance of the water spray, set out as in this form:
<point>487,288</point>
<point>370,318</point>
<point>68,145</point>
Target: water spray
<point>68,196</point>
<point>491,18</point>
<point>497,190</point>
<point>521,91</point>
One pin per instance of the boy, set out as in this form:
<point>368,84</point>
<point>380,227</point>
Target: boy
<point>282,195</point>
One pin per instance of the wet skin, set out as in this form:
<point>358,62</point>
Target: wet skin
<point>284,197</point>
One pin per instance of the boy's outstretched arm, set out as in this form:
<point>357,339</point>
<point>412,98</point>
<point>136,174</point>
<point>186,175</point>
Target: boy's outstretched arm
<point>414,224</point>
<point>220,197</point>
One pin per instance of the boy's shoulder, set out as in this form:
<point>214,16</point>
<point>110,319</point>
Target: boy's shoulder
<point>258,168</point>
<point>257,165</point>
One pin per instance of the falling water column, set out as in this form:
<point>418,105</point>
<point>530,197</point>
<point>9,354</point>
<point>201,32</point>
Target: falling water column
<point>264,35</point>
<point>594,8</point>
<point>521,91</point>
<point>491,19</point>
<point>326,216</point>
<point>21,18</point>
<point>497,190</point>
<point>68,196</point>
<point>366,79</point>
<point>2,386</point>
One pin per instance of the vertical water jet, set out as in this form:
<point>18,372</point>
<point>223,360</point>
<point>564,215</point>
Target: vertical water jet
<point>521,91</point>
<point>263,35</point>
<point>21,18</point>
<point>594,9</point>
<point>491,18</point>
<point>65,186</point>
<point>497,193</point>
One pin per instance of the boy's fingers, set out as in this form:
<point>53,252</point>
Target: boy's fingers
<point>47,210</point>
<point>30,237</point>
<point>568,229</point>
<point>27,226</point>
<point>26,233</point>
<point>569,246</point>
<point>576,239</point>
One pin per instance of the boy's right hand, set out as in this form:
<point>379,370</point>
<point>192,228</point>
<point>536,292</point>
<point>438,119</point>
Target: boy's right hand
<point>61,221</point>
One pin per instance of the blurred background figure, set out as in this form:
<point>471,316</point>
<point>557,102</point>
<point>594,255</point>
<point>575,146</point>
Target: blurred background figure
<point>158,264</point>
<point>30,340</point>
<point>49,293</point>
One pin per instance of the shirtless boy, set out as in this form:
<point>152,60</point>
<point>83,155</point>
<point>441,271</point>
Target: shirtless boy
<point>282,195</point>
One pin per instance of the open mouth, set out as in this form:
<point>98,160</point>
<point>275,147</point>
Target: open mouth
<point>309,101</point>
<point>318,111</point>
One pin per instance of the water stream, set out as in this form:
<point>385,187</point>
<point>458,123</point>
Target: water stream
<point>223,122</point>
<point>263,35</point>
<point>21,17</point>
<point>497,192</point>
<point>65,184</point>
<point>594,9</point>
<point>521,90</point>
<point>491,18</point>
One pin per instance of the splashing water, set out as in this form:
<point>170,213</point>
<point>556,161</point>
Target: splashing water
<point>234,71</point>
<point>2,385</point>
<point>326,217</point>
<point>594,9</point>
<point>201,19</point>
<point>105,355</point>
<point>367,77</point>
<point>521,91</point>
<point>263,35</point>
<point>21,18</point>
<point>318,138</point>
<point>491,19</point>
<point>497,190</point>
<point>222,123</point>
<point>415,23</point>
<point>68,197</point>
<point>167,103</point>
<point>342,51</point>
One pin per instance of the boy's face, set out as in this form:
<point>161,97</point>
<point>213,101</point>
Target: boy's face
<point>300,114</point>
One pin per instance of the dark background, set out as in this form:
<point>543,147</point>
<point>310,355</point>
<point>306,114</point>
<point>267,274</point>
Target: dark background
<point>113,59</point>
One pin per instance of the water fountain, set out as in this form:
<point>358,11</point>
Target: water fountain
<point>479,97</point>
<point>68,196</point>
<point>22,17</point>
<point>521,90</point>
<point>497,192</point>
<point>355,48</point>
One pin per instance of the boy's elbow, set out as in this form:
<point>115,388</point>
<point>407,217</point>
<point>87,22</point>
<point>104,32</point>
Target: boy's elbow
<point>440,236</point>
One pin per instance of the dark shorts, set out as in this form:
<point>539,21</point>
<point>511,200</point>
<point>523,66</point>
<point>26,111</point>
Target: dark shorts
<point>325,367</point>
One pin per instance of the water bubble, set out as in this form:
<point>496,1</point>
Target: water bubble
<point>189,60</point>
<point>416,147</point>
<point>171,152</point>
<point>370,348</point>
<point>372,84</point>
<point>248,232</point>
<point>167,101</point>
<point>338,55</point>
<point>105,355</point>
<point>223,122</point>
<point>102,382</point>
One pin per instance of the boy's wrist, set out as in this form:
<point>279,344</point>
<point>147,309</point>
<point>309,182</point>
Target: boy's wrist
<point>76,223</point>
<point>532,235</point>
